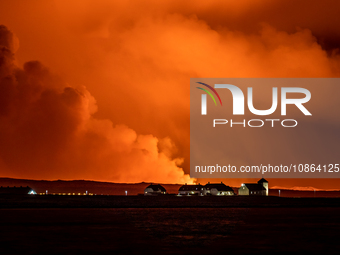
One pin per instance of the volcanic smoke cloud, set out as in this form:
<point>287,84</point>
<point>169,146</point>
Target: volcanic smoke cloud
<point>136,58</point>
<point>47,124</point>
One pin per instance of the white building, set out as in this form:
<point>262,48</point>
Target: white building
<point>254,189</point>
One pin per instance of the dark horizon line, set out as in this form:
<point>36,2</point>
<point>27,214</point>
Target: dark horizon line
<point>144,182</point>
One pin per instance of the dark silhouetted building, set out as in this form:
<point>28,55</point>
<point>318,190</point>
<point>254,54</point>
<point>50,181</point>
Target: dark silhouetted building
<point>218,189</point>
<point>17,190</point>
<point>191,190</point>
<point>154,189</point>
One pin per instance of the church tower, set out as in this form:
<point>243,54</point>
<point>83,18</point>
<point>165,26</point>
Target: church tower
<point>264,183</point>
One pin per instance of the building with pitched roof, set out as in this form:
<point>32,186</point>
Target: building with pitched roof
<point>254,189</point>
<point>154,189</point>
<point>191,190</point>
<point>218,189</point>
<point>17,190</point>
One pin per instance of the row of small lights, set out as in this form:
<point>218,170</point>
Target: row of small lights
<point>69,194</point>
<point>73,194</point>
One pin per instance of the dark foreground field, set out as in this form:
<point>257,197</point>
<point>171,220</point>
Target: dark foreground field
<point>170,231</point>
<point>167,201</point>
<point>168,225</point>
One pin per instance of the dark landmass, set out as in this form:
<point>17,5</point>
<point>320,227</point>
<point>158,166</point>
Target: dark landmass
<point>81,186</point>
<point>109,188</point>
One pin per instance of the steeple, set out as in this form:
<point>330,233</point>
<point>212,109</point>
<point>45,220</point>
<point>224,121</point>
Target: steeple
<point>264,183</point>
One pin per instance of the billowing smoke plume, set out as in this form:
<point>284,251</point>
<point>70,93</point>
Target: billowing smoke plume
<point>47,130</point>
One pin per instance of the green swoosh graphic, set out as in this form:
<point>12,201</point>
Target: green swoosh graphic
<point>208,93</point>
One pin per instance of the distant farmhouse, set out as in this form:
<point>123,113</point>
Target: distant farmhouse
<point>254,189</point>
<point>215,189</point>
<point>218,189</point>
<point>17,190</point>
<point>154,190</point>
<point>191,190</point>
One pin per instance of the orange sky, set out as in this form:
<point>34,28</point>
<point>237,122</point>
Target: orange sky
<point>107,97</point>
